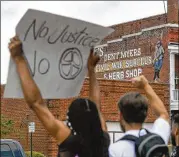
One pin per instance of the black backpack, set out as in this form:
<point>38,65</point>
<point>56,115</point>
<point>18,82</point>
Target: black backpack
<point>148,145</point>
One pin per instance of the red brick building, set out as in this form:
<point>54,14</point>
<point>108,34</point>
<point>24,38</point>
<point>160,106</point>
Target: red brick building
<point>126,53</point>
<point>130,50</point>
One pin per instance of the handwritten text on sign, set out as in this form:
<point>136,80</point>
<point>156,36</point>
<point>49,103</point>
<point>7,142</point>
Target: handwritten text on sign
<point>56,49</point>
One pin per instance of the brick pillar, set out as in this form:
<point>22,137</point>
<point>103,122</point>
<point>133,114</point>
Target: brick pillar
<point>172,15</point>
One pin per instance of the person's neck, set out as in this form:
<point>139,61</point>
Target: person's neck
<point>177,141</point>
<point>133,126</point>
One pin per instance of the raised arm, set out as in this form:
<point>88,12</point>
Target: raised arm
<point>33,96</point>
<point>155,102</point>
<point>94,90</point>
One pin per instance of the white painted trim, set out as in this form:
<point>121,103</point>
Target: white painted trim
<point>173,44</point>
<point>131,35</point>
<point>173,49</point>
<point>144,30</point>
<point>101,45</point>
<point>172,76</point>
<point>154,27</point>
<point>114,41</point>
<point>123,37</point>
<point>173,25</point>
<point>174,105</point>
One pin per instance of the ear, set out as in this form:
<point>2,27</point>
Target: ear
<point>177,131</point>
<point>120,116</point>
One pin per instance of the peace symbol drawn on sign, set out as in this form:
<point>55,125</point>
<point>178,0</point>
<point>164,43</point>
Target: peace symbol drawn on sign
<point>71,63</point>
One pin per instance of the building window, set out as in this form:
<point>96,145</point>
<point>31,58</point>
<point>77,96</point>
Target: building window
<point>176,90</point>
<point>176,79</point>
<point>176,82</point>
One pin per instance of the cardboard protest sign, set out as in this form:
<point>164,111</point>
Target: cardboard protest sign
<point>56,49</point>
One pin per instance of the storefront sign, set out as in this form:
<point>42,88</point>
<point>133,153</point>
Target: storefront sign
<point>122,65</point>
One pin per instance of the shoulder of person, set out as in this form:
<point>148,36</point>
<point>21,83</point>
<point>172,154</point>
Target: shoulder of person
<point>161,122</point>
<point>119,145</point>
<point>121,149</point>
<point>113,149</point>
<point>162,128</point>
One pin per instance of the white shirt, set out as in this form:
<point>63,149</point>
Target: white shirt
<point>127,148</point>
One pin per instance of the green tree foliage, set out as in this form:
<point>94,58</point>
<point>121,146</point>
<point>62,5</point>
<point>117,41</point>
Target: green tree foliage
<point>6,126</point>
<point>34,154</point>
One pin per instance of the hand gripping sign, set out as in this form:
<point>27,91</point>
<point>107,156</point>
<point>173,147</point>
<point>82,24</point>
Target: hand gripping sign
<point>56,49</point>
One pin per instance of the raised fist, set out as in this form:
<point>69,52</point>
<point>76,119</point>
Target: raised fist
<point>15,47</point>
<point>92,60</point>
<point>140,82</point>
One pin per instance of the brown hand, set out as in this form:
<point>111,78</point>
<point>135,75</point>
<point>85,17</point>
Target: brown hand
<point>15,47</point>
<point>140,82</point>
<point>92,60</point>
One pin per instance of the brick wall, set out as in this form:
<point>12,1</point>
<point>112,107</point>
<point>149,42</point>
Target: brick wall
<point>146,42</point>
<point>173,35</point>
<point>18,111</point>
<point>135,26</point>
<point>173,7</point>
<point>110,93</point>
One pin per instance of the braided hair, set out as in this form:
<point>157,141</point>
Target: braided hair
<point>83,120</point>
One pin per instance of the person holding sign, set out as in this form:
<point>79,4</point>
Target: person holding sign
<point>86,133</point>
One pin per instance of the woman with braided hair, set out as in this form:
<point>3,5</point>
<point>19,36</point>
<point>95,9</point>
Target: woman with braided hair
<point>86,133</point>
<point>88,138</point>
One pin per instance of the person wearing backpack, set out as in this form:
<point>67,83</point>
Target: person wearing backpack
<point>139,142</point>
<point>175,135</point>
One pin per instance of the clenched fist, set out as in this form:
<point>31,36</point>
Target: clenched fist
<point>92,60</point>
<point>15,47</point>
<point>140,82</point>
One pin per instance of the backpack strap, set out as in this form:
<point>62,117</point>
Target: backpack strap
<point>147,132</point>
<point>128,138</point>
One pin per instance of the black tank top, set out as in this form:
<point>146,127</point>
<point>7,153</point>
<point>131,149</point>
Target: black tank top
<point>72,146</point>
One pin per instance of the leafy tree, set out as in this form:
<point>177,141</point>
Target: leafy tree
<point>34,154</point>
<point>7,126</point>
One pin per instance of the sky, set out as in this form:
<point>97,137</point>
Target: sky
<point>104,13</point>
